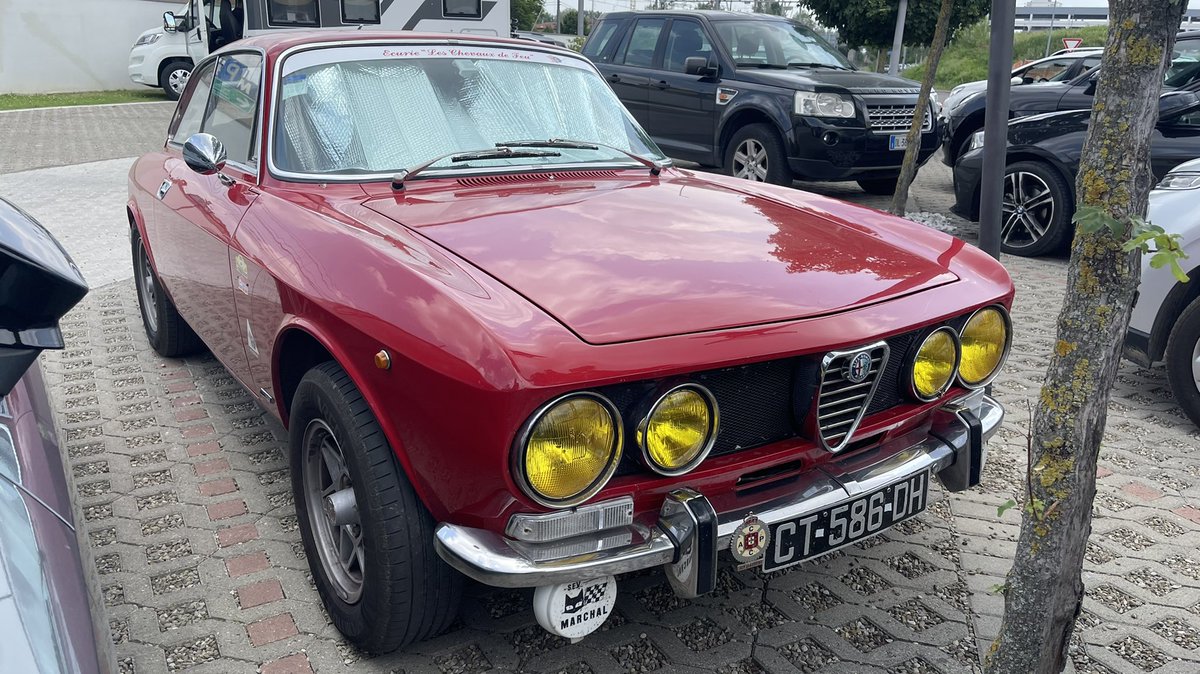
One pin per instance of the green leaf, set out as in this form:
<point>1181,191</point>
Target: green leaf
<point>1177,271</point>
<point>1005,506</point>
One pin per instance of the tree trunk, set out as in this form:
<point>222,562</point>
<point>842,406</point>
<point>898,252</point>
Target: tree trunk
<point>1044,591</point>
<point>908,168</point>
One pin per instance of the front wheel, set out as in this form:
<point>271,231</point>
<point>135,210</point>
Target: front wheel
<point>757,153</point>
<point>1037,206</point>
<point>1183,361</point>
<point>368,538</point>
<point>173,77</point>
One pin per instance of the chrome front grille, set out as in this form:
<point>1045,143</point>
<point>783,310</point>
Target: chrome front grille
<point>842,401</point>
<point>895,118</point>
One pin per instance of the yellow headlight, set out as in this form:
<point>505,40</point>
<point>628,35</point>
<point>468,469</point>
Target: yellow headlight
<point>984,342</point>
<point>571,449</point>
<point>935,363</point>
<point>678,431</point>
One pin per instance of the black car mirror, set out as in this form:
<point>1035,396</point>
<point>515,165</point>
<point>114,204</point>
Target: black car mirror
<point>39,283</point>
<point>204,154</point>
<point>699,66</point>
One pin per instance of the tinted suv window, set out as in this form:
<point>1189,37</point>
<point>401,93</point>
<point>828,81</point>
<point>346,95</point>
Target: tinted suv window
<point>191,110</point>
<point>234,106</point>
<point>686,39</point>
<point>601,36</point>
<point>1043,72</point>
<point>640,51</point>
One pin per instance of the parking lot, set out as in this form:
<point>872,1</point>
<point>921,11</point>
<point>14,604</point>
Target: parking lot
<point>185,496</point>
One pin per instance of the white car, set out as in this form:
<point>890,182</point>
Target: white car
<point>1165,325</point>
<point>1058,67</point>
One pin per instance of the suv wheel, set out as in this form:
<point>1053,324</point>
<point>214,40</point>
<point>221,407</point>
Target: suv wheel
<point>173,77</point>
<point>756,153</point>
<point>1036,217</point>
<point>1183,361</point>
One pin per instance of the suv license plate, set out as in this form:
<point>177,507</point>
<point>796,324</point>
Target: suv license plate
<point>795,540</point>
<point>898,142</point>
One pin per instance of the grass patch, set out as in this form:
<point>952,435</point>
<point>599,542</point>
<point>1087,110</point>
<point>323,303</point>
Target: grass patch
<point>966,57</point>
<point>23,101</point>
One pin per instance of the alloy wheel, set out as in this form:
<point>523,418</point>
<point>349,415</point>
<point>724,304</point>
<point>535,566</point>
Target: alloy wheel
<point>333,512</point>
<point>1196,363</point>
<point>147,290</point>
<point>750,161</point>
<point>178,79</point>
<point>1028,209</point>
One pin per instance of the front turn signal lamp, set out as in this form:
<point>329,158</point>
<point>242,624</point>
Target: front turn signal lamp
<point>679,430</point>
<point>985,339</point>
<point>935,364</point>
<point>568,449</point>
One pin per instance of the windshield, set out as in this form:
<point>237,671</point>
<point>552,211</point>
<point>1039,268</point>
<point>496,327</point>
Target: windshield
<point>777,44</point>
<point>381,109</point>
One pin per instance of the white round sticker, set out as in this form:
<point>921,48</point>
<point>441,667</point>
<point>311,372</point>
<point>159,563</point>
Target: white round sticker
<point>576,609</point>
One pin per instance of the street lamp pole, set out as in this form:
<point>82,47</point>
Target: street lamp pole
<point>898,40</point>
<point>1050,33</point>
<point>995,126</point>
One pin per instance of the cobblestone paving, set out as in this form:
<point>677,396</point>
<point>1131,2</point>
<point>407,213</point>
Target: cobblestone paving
<point>184,493</point>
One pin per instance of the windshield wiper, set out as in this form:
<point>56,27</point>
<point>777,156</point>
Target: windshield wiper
<point>816,65</point>
<point>458,157</point>
<point>756,64</point>
<point>655,167</point>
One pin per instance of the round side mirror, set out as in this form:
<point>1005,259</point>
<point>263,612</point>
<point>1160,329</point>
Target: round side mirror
<point>170,23</point>
<point>204,154</point>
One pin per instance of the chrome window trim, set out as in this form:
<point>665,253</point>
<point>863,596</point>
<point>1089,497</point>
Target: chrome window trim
<point>714,428</point>
<point>517,467</point>
<point>295,177</point>
<point>1008,336</point>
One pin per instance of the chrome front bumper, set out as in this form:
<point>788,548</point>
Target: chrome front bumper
<point>689,532</point>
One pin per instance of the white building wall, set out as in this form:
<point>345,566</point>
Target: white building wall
<point>72,45</point>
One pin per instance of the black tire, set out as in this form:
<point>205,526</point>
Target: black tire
<point>173,77</point>
<point>752,142</point>
<point>407,593</point>
<point>882,186</point>
<point>166,330</point>
<point>1181,351</point>
<point>1020,221</point>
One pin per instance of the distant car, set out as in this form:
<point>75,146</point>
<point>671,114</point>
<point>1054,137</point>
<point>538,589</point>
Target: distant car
<point>966,117</point>
<point>1165,326</point>
<point>45,612</point>
<point>1043,161</point>
<point>1056,68</point>
<point>510,341</point>
<point>762,97</point>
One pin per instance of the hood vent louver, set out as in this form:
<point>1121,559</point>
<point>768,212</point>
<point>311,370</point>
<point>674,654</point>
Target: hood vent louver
<point>510,178</point>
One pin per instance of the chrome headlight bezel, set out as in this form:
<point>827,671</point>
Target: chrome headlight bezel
<point>521,445</point>
<point>808,104</point>
<point>1008,337</point>
<point>148,39</point>
<point>976,141</point>
<point>714,426</point>
<point>911,359</point>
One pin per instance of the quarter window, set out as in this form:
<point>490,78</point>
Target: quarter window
<point>191,110</point>
<point>233,109</point>
<point>642,43</point>
<point>463,9</point>
<point>360,11</point>
<point>293,12</point>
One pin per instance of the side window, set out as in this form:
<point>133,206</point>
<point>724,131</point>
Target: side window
<point>642,42</point>
<point>685,40</point>
<point>1045,71</point>
<point>190,112</point>
<point>463,9</point>
<point>360,11</point>
<point>233,111</point>
<point>601,37</point>
<point>293,12</point>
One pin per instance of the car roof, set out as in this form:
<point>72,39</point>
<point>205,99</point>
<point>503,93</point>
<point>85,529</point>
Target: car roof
<point>275,43</point>
<point>710,14</point>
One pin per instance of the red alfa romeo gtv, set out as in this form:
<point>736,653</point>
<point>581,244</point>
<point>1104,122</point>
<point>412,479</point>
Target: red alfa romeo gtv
<point>512,342</point>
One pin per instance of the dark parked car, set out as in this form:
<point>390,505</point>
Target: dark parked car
<point>965,117</point>
<point>45,615</point>
<point>1042,162</point>
<point>760,96</point>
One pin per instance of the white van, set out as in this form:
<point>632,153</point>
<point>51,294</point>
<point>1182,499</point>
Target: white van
<point>163,56</point>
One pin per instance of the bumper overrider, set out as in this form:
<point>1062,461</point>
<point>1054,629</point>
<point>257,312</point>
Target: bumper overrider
<point>574,576</point>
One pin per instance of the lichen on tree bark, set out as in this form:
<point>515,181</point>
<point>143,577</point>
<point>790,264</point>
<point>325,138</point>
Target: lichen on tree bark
<point>1044,591</point>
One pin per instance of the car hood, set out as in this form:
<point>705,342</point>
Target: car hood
<point>853,80</point>
<point>623,258</point>
<point>1035,128</point>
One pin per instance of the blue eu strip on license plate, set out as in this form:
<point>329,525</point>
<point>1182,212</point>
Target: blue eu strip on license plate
<point>795,540</point>
<point>897,142</point>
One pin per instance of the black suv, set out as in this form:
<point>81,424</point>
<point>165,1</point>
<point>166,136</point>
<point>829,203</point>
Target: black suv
<point>762,97</point>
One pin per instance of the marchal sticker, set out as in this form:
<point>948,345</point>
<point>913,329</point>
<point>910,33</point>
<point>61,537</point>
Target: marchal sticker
<point>749,540</point>
<point>576,609</point>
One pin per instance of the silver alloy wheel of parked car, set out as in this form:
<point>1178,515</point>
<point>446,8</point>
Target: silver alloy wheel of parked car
<point>148,289</point>
<point>1196,364</point>
<point>333,511</point>
<point>750,161</point>
<point>177,79</point>
<point>1028,209</point>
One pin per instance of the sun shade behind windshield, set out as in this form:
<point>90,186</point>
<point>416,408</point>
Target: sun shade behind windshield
<point>379,115</point>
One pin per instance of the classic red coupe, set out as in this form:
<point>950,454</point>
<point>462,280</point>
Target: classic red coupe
<point>512,342</point>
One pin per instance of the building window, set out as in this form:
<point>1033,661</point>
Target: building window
<point>462,9</point>
<point>360,11</point>
<point>293,12</point>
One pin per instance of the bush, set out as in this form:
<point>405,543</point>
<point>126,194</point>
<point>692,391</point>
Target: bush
<point>966,57</point>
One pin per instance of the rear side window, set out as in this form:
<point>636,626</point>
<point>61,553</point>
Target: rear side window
<point>597,44</point>
<point>293,12</point>
<point>642,42</point>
